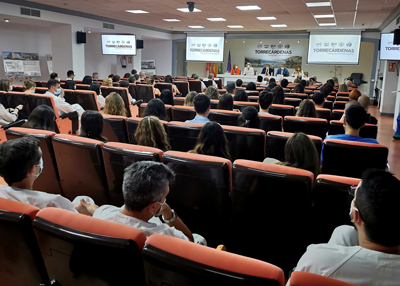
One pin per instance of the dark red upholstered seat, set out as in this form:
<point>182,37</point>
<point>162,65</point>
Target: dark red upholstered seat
<point>281,110</point>
<point>115,129</point>
<point>308,125</point>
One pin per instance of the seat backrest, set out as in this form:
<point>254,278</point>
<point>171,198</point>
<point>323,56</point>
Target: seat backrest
<point>367,131</point>
<point>115,129</point>
<point>337,114</point>
<point>35,100</point>
<point>163,85</point>
<point>245,143</point>
<point>87,99</point>
<point>3,99</point>
<point>243,104</point>
<point>331,98</point>
<point>48,181</point>
<point>252,92</point>
<point>41,90</point>
<point>328,105</point>
<point>264,190</point>
<point>173,261</point>
<point>67,239</point>
<point>339,105</point>
<point>214,103</point>
<point>104,91</point>
<point>117,157</point>
<point>132,90</point>
<point>308,125</point>
<point>302,96</point>
<point>299,278</point>
<point>16,98</point>
<point>324,113</point>
<point>195,85</point>
<point>21,261</point>
<point>179,101</point>
<point>69,96</point>
<point>124,93</point>
<point>342,98</point>
<point>342,93</point>
<point>292,101</point>
<point>144,92</point>
<point>270,122</point>
<point>183,87</point>
<point>18,88</point>
<point>276,141</point>
<point>168,111</point>
<point>281,110</point>
<point>183,136</point>
<point>224,117</point>
<point>207,198</point>
<point>183,113</point>
<point>81,168</point>
<point>80,86</point>
<point>132,124</point>
<point>351,159</point>
<point>331,204</point>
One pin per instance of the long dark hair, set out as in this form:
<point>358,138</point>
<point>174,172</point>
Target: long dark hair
<point>307,109</point>
<point>240,95</point>
<point>95,87</point>
<point>92,125</point>
<point>225,102</point>
<point>42,117</point>
<point>249,118</point>
<point>279,95</point>
<point>168,79</point>
<point>167,97</point>
<point>156,107</point>
<point>251,86</point>
<point>87,79</point>
<point>212,141</point>
<point>300,152</point>
<point>299,88</point>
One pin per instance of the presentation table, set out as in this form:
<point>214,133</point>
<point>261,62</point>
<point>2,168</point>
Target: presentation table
<point>228,78</point>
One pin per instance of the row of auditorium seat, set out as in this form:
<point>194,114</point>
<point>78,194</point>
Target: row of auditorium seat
<point>57,247</point>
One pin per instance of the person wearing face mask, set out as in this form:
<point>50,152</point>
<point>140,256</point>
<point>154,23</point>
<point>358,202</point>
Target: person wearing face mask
<point>145,188</point>
<point>267,70</point>
<point>235,70</point>
<point>21,169</point>
<point>298,71</point>
<point>248,70</point>
<point>70,83</point>
<point>367,253</point>
<point>282,70</point>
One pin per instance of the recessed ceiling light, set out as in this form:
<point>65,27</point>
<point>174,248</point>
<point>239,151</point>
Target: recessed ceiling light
<point>323,16</point>
<point>216,19</point>
<point>186,10</point>
<point>318,4</point>
<point>279,26</point>
<point>171,20</point>
<point>248,8</point>
<point>327,24</point>
<point>6,20</point>
<point>196,27</point>
<point>89,31</point>
<point>235,26</point>
<point>280,42</point>
<point>137,11</point>
<point>266,18</point>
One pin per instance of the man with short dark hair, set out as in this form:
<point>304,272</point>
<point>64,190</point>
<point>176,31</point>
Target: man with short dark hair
<point>284,83</point>
<point>136,77</point>
<point>331,82</point>
<point>133,72</point>
<point>239,82</point>
<point>318,99</point>
<point>326,89</point>
<point>231,88</point>
<point>265,101</point>
<point>116,78</point>
<point>202,106</point>
<point>54,75</point>
<point>70,83</point>
<point>369,252</point>
<point>132,79</point>
<point>20,165</point>
<point>145,188</point>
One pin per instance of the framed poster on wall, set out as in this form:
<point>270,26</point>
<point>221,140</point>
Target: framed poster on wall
<point>149,67</point>
<point>21,64</point>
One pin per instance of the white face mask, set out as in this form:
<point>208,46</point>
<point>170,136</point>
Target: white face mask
<point>282,67</point>
<point>248,66</point>
<point>298,69</point>
<point>351,209</point>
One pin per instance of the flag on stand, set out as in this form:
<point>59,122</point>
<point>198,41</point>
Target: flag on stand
<point>208,68</point>
<point>229,62</point>
<point>215,69</point>
<point>220,71</point>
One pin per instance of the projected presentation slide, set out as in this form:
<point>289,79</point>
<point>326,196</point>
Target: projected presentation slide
<point>118,44</point>
<point>205,49</point>
<point>388,50</point>
<point>334,49</point>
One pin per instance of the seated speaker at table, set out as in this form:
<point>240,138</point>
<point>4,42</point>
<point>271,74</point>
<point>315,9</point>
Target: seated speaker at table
<point>282,70</point>
<point>248,70</point>
<point>235,70</point>
<point>267,70</point>
<point>298,71</point>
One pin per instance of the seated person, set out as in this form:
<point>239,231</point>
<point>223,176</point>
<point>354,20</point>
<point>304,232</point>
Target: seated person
<point>107,82</point>
<point>331,82</point>
<point>145,188</point>
<point>368,252</point>
<point>156,107</point>
<point>168,79</point>
<point>21,169</point>
<point>303,82</point>
<point>300,152</point>
<point>240,95</point>
<point>95,76</point>
<point>343,88</point>
<point>349,83</point>
<point>54,75</point>
<point>354,94</point>
<point>296,80</point>
<point>29,87</point>
<point>231,88</point>
<point>251,86</point>
<point>354,120</point>
<point>235,70</point>
<point>282,70</point>
<point>249,118</point>
<point>189,98</point>
<point>307,109</point>
<point>284,83</point>
<point>347,105</point>
<point>70,83</point>
<point>100,98</point>
<point>127,75</point>
<point>211,77</point>
<point>318,99</point>
<point>248,70</point>
<point>125,83</point>
<point>142,76</point>
<point>265,101</point>
<point>132,79</point>
<point>279,95</point>
<point>167,97</point>
<point>272,84</point>
<point>8,115</point>
<point>42,118</point>
<point>203,86</point>
<point>259,80</point>
<point>116,78</point>
<point>202,106</point>
<point>365,102</point>
<point>114,105</point>
<point>151,81</point>
<point>299,88</point>
<point>239,83</point>
<point>92,126</point>
<point>212,92</point>
<point>267,70</point>
<point>266,81</point>
<point>225,102</point>
<point>87,79</point>
<point>151,133</point>
<point>212,141</point>
<point>326,89</point>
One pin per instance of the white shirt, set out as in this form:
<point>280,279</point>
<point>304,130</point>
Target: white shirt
<point>343,259</point>
<point>248,70</point>
<point>38,199</point>
<point>154,226</point>
<point>5,116</point>
<point>297,73</point>
<point>64,107</point>
<point>101,100</point>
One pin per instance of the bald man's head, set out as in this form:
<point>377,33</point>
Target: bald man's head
<point>364,101</point>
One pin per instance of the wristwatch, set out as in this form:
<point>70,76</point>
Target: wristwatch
<point>172,219</point>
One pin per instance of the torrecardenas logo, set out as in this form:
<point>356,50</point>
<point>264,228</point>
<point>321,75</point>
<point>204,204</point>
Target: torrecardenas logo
<point>215,45</point>
<point>319,44</point>
<point>349,44</point>
<point>341,44</point>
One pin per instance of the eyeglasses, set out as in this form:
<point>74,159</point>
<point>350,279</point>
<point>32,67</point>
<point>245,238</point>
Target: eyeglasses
<point>158,212</point>
<point>351,190</point>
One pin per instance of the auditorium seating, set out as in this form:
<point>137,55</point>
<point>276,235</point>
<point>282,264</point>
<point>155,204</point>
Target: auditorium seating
<point>195,85</point>
<point>281,110</point>
<point>342,93</point>
<point>87,99</point>
<point>48,181</point>
<point>275,201</point>
<point>41,90</point>
<point>168,111</point>
<point>214,103</point>
<point>132,124</point>
<point>117,157</point>
<point>173,261</point>
<point>124,93</point>
<point>82,86</point>
<point>299,278</point>
<point>324,113</point>
<point>163,85</point>
<point>276,141</point>
<point>337,114</point>
<point>367,131</point>
<point>132,90</point>
<point>270,122</point>
<point>16,98</point>
<point>183,113</point>
<point>351,159</point>
<point>183,136</point>
<point>339,105</point>
<point>183,87</point>
<point>292,101</point>
<point>224,117</point>
<point>89,179</point>
<point>81,250</point>
<point>302,96</point>
<point>331,98</point>
<point>20,259</point>
<point>104,91</point>
<point>243,104</point>
<point>328,105</point>
<point>308,125</point>
<point>69,96</point>
<point>144,92</point>
<point>115,129</point>
<point>252,92</point>
<point>342,98</point>
<point>179,101</point>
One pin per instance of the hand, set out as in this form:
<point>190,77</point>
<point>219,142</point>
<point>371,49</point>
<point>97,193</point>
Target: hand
<point>86,208</point>
<point>20,107</point>
<point>166,211</point>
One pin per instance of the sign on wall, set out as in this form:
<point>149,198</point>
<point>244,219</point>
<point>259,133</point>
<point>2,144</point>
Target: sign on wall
<point>392,66</point>
<point>21,64</point>
<point>275,54</point>
<point>49,60</point>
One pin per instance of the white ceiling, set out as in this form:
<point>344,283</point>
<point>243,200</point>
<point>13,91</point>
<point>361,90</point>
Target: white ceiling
<point>294,13</point>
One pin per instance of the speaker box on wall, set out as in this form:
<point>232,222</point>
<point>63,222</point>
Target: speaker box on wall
<point>139,44</point>
<point>396,37</point>
<point>81,37</point>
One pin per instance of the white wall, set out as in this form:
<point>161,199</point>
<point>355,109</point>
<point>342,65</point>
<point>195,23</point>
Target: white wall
<point>161,52</point>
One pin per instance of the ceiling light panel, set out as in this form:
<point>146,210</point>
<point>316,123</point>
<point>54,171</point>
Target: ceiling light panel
<point>248,8</point>
<point>327,24</point>
<point>171,20</point>
<point>318,4</point>
<point>323,16</point>
<point>279,26</point>
<point>216,19</point>
<point>196,27</point>
<point>235,26</point>
<point>266,18</point>
<point>137,11</point>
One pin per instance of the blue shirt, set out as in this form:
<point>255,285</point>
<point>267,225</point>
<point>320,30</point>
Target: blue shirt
<point>347,137</point>
<point>199,119</point>
<point>285,71</point>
